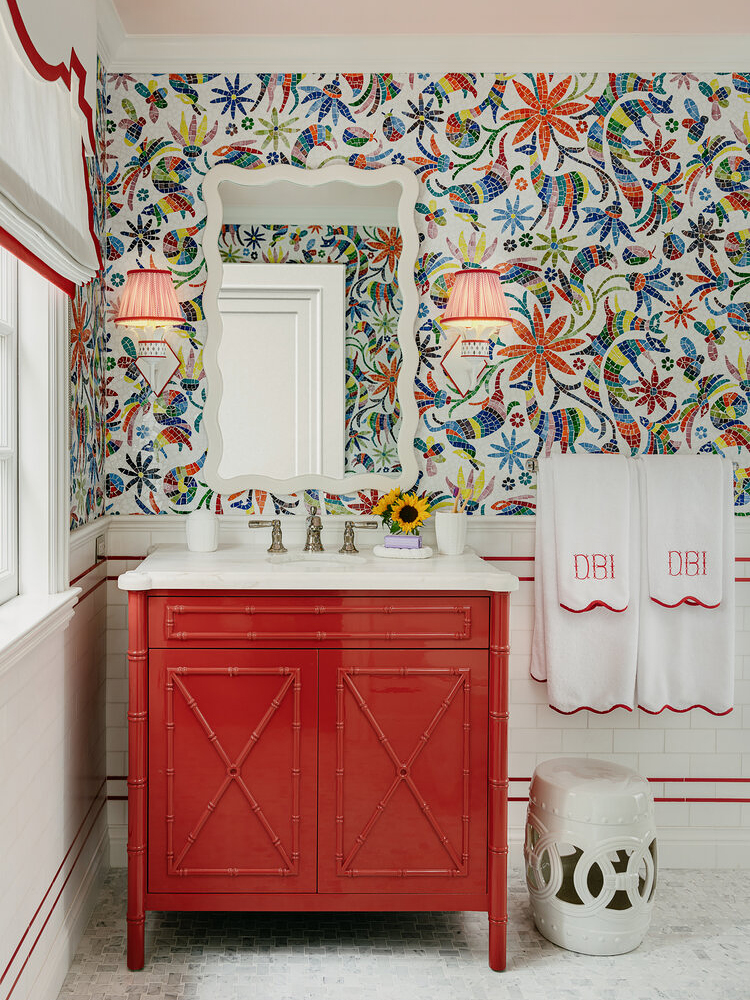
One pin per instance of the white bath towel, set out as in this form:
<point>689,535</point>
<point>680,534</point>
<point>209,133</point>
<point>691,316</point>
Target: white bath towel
<point>588,661</point>
<point>592,531</point>
<point>685,496</point>
<point>686,653</point>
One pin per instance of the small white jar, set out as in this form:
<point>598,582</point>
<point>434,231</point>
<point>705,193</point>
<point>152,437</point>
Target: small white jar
<point>450,532</point>
<point>202,530</point>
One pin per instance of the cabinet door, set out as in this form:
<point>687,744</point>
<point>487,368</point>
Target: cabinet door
<point>232,771</point>
<point>402,781</point>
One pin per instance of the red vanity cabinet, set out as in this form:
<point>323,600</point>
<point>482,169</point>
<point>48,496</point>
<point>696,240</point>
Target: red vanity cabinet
<point>328,751</point>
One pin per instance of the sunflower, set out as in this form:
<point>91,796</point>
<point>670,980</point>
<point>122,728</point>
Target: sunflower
<point>382,507</point>
<point>410,512</point>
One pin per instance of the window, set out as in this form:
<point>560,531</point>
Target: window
<point>8,426</point>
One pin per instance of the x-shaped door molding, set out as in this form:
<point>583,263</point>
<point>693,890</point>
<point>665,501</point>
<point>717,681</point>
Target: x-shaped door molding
<point>233,770</point>
<point>403,771</point>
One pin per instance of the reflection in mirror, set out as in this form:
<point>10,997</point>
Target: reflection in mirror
<point>270,412</point>
<point>357,228</point>
<point>282,354</point>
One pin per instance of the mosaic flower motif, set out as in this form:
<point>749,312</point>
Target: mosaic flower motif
<point>194,137</point>
<point>656,154</point>
<point>703,234</point>
<point>386,247</point>
<point>423,116</point>
<point>231,96</point>
<point>513,216</point>
<point>554,247</point>
<point>276,133</point>
<point>539,349</point>
<point>679,312</point>
<point>510,452</point>
<point>652,393</point>
<point>683,79</point>
<point>386,379</point>
<point>545,112</point>
<point>139,475</point>
<point>142,235</point>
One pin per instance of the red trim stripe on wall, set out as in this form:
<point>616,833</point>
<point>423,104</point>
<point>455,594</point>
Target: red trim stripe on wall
<point>102,802</point>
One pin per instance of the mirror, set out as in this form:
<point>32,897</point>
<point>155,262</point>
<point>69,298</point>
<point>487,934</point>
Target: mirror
<point>311,305</point>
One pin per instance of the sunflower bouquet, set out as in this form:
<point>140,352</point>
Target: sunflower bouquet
<point>402,513</point>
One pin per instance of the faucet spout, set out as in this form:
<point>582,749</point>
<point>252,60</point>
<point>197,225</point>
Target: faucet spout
<point>314,527</point>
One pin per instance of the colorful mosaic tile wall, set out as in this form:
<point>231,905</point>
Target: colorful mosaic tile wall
<point>614,206</point>
<point>87,359</point>
<point>373,305</point>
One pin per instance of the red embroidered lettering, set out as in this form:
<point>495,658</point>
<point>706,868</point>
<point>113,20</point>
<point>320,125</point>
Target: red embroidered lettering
<point>692,567</point>
<point>691,562</point>
<point>577,569</point>
<point>599,563</point>
<point>594,566</point>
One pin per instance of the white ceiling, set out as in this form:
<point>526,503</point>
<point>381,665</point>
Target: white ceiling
<point>435,17</point>
<point>436,36</point>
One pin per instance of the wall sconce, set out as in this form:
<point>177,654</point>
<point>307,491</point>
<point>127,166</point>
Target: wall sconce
<point>476,307</point>
<point>149,301</point>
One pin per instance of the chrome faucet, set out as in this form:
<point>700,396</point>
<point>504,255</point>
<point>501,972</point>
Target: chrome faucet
<point>314,527</point>
<point>277,544</point>
<point>349,548</point>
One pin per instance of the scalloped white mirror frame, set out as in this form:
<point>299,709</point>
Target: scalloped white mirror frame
<point>405,334</point>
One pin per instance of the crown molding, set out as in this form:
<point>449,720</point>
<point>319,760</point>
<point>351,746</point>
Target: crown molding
<point>416,53</point>
<point>110,34</point>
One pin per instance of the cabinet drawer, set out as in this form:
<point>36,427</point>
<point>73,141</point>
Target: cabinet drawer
<point>327,620</point>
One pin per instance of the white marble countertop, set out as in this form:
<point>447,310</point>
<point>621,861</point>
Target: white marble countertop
<point>238,567</point>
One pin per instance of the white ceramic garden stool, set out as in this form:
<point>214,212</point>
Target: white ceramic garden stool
<point>590,855</point>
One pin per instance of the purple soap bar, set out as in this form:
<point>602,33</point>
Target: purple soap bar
<point>402,542</point>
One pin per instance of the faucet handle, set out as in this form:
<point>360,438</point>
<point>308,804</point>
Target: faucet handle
<point>277,543</point>
<point>349,548</point>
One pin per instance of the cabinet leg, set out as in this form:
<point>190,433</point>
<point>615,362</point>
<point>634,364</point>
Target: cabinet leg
<point>498,930</point>
<point>136,929</point>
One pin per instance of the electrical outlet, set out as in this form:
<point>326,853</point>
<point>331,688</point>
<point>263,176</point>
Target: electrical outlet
<point>101,552</point>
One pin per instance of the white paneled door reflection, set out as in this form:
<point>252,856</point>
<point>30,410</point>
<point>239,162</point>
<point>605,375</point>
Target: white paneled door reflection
<point>281,357</point>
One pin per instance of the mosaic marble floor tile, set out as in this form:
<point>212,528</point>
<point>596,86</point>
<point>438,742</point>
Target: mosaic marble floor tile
<point>696,949</point>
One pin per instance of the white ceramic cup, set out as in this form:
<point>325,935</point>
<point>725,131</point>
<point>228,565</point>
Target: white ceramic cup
<point>202,530</point>
<point>450,531</point>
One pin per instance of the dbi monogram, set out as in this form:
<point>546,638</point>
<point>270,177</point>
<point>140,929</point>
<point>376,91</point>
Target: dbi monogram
<point>688,563</point>
<point>594,566</point>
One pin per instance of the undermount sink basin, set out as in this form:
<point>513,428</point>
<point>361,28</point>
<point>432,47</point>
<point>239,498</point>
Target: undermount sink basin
<point>313,560</point>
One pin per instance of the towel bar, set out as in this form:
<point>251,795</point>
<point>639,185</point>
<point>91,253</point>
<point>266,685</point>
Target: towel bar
<point>532,464</point>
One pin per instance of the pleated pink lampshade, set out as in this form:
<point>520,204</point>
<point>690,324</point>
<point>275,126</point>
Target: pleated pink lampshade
<point>476,301</point>
<point>149,299</point>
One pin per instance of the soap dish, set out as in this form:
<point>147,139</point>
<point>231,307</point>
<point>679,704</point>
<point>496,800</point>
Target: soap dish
<point>424,553</point>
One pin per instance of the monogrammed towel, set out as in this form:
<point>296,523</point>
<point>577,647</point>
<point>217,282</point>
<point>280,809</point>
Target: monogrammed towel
<point>588,661</point>
<point>686,653</point>
<point>592,531</point>
<point>684,524</point>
